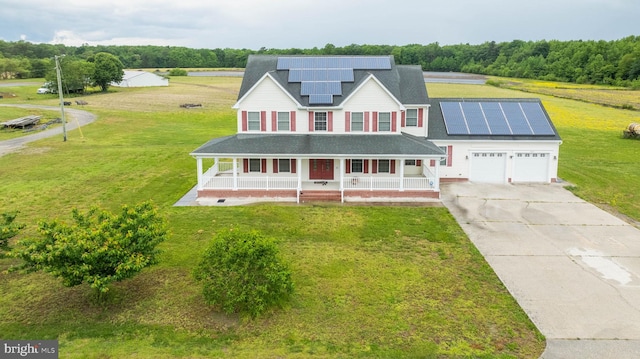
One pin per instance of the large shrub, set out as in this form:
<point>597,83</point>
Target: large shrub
<point>8,229</point>
<point>242,272</point>
<point>99,248</point>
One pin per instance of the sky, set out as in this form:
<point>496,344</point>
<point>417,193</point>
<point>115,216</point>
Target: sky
<point>284,24</point>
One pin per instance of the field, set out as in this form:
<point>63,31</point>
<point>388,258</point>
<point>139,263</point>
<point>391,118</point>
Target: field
<point>386,282</point>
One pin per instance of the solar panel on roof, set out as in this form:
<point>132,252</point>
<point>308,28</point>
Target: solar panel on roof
<point>321,77</point>
<point>537,119</point>
<point>320,88</point>
<point>517,120</point>
<point>495,118</point>
<point>320,99</point>
<point>454,118</point>
<point>474,116</point>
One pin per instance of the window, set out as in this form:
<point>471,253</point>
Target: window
<point>357,121</point>
<point>356,166</point>
<point>412,117</point>
<point>409,162</point>
<point>320,121</point>
<point>384,121</point>
<point>254,165</point>
<point>284,165</point>
<point>283,121</point>
<point>383,166</point>
<point>443,162</point>
<point>253,121</point>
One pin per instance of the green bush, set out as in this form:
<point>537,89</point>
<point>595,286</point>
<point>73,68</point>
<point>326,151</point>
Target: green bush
<point>178,72</point>
<point>241,272</point>
<point>99,248</point>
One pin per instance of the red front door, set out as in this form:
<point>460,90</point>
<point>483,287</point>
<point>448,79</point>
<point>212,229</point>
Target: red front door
<point>320,169</point>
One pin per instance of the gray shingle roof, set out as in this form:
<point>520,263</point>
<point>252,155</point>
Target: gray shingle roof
<point>404,82</point>
<point>438,130</point>
<point>403,146</point>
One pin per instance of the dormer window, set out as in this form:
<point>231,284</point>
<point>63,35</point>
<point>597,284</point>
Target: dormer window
<point>412,117</point>
<point>384,121</point>
<point>253,121</point>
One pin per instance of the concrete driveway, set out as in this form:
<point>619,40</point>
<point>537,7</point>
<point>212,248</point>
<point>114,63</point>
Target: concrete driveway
<point>573,268</point>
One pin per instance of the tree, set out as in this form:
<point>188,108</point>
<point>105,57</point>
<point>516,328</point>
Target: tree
<point>108,69</point>
<point>100,248</point>
<point>76,76</point>
<point>242,272</point>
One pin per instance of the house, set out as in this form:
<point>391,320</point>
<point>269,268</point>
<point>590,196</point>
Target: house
<point>141,79</point>
<point>361,128</point>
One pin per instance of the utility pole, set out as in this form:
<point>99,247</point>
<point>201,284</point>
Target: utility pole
<point>64,121</point>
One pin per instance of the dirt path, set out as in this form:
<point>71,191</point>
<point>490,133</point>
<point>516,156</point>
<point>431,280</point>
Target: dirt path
<point>74,118</point>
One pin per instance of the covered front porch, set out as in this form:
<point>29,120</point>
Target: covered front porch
<point>303,178</point>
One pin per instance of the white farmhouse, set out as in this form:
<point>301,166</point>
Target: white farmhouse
<point>354,128</point>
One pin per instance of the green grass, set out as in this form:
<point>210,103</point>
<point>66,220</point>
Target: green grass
<point>371,282</point>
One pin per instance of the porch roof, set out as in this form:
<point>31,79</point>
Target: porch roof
<point>348,145</point>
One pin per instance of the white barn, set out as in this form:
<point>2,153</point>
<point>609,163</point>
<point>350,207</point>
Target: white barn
<point>141,79</point>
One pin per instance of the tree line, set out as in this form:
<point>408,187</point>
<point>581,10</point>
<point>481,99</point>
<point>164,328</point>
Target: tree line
<point>615,62</point>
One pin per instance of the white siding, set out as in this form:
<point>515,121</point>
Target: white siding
<point>463,150</point>
<point>268,96</point>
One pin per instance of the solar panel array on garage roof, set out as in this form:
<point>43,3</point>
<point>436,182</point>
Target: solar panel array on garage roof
<point>495,118</point>
<point>321,77</point>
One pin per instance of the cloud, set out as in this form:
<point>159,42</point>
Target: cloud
<point>308,23</point>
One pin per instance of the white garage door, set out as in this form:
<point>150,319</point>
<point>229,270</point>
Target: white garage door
<point>531,167</point>
<point>488,167</point>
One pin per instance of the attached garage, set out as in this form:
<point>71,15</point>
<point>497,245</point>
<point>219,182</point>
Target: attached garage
<point>495,140</point>
<point>488,167</point>
<point>531,167</point>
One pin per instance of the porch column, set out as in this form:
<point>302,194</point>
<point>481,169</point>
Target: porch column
<point>401,161</point>
<point>199,172</point>
<point>436,182</point>
<point>235,174</point>
<point>342,174</point>
<point>299,173</point>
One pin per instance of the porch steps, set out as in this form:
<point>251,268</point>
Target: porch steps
<point>319,196</point>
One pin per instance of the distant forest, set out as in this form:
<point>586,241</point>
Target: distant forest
<point>615,62</point>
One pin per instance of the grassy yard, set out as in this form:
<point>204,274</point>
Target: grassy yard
<point>386,282</point>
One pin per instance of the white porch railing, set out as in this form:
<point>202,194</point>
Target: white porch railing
<point>262,183</point>
<point>374,183</point>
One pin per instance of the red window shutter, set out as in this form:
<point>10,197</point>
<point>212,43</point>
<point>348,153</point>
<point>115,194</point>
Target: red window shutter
<point>392,165</point>
<point>374,166</point>
<point>293,165</point>
<point>432,163</point>
<point>347,122</point>
<point>275,165</point>
<point>263,165</point>
<point>394,121</point>
<point>274,121</point>
<point>366,122</point>
<point>348,166</point>
<point>293,121</point>
<point>245,165</point>
<point>311,127</point>
<point>420,116</point>
<point>330,121</point>
<point>244,121</point>
<point>403,119</point>
<point>365,164</point>
<point>263,121</point>
<point>418,163</point>
<point>374,122</point>
<point>449,155</point>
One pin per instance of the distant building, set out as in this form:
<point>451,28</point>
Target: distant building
<point>141,79</point>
